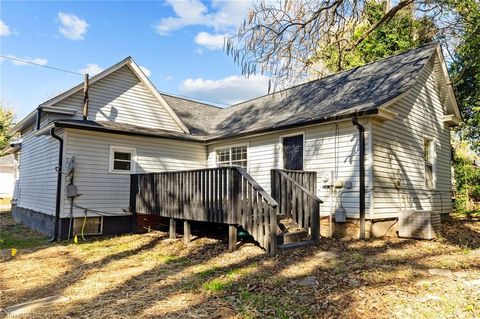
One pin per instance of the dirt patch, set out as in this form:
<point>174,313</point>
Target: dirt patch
<point>150,276</point>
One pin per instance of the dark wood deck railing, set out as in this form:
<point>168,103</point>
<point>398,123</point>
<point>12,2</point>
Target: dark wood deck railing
<point>225,195</point>
<point>307,179</point>
<point>295,192</point>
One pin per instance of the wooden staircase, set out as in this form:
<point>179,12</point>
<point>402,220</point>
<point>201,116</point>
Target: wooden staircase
<point>229,195</point>
<point>298,213</point>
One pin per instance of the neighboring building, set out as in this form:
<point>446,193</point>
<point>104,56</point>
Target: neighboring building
<point>405,103</point>
<point>7,176</point>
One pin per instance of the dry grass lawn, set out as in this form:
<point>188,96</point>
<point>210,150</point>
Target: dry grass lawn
<point>150,276</point>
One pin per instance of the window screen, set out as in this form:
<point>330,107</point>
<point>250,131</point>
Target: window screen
<point>293,152</point>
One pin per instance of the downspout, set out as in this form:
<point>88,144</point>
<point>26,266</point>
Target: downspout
<point>59,184</point>
<point>39,117</point>
<point>361,133</point>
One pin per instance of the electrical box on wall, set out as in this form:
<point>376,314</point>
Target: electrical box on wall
<point>340,215</point>
<point>72,191</point>
<point>327,178</point>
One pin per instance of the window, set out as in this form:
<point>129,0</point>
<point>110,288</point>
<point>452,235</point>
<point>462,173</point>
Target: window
<point>89,225</point>
<point>232,156</point>
<point>122,159</point>
<point>428,157</point>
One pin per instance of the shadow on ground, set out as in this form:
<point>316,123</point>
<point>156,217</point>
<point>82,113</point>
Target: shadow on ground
<point>150,276</point>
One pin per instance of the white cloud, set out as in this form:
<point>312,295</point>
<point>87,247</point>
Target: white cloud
<point>71,26</point>
<point>4,29</point>
<point>40,61</point>
<point>224,15</point>
<point>230,90</point>
<point>211,41</point>
<point>146,71</point>
<point>91,69</point>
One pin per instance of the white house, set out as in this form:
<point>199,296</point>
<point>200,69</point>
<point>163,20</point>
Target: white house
<point>405,104</point>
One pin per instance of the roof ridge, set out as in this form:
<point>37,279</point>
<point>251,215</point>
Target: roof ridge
<point>433,43</point>
<point>191,100</point>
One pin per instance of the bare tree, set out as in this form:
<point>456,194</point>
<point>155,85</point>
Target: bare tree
<point>280,38</point>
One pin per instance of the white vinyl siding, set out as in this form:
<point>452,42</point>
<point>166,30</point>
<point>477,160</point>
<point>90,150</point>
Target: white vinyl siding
<point>121,97</point>
<point>108,192</point>
<point>331,147</point>
<point>398,148</point>
<point>37,183</point>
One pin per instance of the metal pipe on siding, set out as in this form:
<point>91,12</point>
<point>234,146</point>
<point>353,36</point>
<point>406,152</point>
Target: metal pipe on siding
<point>85,97</point>
<point>59,183</point>
<point>361,133</point>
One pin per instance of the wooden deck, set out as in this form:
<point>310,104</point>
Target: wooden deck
<point>228,195</point>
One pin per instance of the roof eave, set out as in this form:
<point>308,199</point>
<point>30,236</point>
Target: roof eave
<point>26,121</point>
<point>294,125</point>
<point>451,93</point>
<point>85,127</point>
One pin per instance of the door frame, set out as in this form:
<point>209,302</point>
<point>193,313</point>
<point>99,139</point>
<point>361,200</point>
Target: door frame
<point>280,147</point>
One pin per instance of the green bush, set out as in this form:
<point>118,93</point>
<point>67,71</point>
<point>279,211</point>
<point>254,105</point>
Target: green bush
<point>467,179</point>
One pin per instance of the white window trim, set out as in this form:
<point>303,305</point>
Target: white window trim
<point>433,159</point>
<point>133,166</point>
<point>280,148</point>
<point>229,146</point>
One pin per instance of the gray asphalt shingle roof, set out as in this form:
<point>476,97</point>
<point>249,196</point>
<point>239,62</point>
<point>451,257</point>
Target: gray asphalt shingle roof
<point>362,89</point>
<point>198,117</point>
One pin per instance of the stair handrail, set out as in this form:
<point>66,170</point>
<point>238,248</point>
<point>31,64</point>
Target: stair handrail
<point>306,191</point>
<point>315,202</point>
<point>268,198</point>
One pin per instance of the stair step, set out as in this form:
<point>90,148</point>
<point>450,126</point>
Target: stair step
<point>300,244</point>
<point>291,237</point>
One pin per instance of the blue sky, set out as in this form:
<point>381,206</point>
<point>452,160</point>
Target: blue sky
<point>178,43</point>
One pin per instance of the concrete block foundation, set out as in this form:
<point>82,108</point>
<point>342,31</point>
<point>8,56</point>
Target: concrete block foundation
<point>351,228</point>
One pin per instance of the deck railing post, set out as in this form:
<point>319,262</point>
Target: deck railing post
<point>133,200</point>
<point>273,231</point>
<point>186,232</point>
<point>236,187</point>
<point>172,228</point>
<point>232,238</point>
<point>315,220</point>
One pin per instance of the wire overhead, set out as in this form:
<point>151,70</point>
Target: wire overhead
<point>38,64</point>
<point>77,73</point>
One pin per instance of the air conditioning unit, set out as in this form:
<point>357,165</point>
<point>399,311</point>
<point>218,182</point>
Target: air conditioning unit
<point>419,224</point>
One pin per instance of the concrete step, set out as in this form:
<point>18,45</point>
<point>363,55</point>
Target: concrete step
<point>288,225</point>
<point>291,237</point>
<point>284,248</point>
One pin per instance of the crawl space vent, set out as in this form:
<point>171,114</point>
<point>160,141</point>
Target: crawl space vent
<point>419,224</point>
